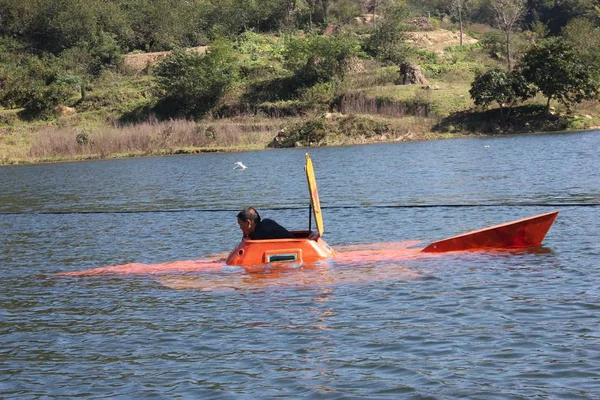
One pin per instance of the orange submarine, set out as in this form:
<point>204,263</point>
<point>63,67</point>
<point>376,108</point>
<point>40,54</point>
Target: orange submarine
<point>309,247</point>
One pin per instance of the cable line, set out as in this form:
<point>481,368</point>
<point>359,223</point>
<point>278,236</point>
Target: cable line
<point>338,207</point>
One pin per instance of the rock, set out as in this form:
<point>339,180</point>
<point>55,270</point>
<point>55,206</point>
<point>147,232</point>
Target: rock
<point>278,140</point>
<point>411,74</point>
<point>62,111</point>
<point>421,23</point>
<point>587,116</point>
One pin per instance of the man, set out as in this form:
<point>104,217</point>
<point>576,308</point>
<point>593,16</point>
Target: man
<point>256,229</point>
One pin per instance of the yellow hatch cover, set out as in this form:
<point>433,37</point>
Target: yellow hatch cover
<point>314,195</point>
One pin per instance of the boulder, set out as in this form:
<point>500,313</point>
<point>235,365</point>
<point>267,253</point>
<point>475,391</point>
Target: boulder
<point>62,111</point>
<point>411,74</point>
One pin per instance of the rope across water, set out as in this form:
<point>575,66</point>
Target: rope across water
<point>339,207</point>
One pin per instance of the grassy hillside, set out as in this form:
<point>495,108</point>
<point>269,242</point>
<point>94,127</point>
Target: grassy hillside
<point>115,117</point>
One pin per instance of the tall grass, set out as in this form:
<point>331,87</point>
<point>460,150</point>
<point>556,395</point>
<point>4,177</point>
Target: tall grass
<point>358,103</point>
<point>152,137</point>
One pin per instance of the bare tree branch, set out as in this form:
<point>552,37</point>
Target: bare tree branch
<point>507,15</point>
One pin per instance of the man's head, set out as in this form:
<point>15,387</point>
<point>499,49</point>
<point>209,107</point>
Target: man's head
<point>248,218</point>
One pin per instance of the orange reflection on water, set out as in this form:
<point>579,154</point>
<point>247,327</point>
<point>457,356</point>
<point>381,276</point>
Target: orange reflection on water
<point>353,264</point>
<point>210,264</point>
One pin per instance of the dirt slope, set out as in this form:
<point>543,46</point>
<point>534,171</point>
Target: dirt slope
<point>439,39</point>
<point>138,62</point>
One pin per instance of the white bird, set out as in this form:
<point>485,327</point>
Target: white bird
<point>239,165</point>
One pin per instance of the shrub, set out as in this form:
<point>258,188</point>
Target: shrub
<point>44,100</point>
<point>357,126</point>
<point>330,128</point>
<point>306,133</point>
<point>82,139</point>
<point>319,58</point>
<point>190,84</point>
<point>319,96</point>
<point>494,43</point>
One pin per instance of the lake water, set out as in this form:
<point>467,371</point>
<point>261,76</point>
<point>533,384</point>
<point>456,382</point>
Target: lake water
<point>478,325</point>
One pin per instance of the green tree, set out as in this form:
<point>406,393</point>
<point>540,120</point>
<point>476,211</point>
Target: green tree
<point>60,24</point>
<point>584,37</point>
<point>388,42</point>
<point>556,69</point>
<point>190,84</point>
<point>557,14</point>
<point>319,58</point>
<point>159,24</point>
<point>503,87</point>
<point>342,11</point>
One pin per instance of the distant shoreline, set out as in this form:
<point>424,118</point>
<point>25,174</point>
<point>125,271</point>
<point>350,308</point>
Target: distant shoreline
<point>234,149</point>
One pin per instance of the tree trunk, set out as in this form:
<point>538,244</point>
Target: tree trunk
<point>508,50</point>
<point>461,26</point>
<point>374,21</point>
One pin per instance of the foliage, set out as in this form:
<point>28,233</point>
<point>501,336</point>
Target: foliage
<point>555,68</point>
<point>329,128</point>
<point>388,42</point>
<point>319,96</point>
<point>307,133</point>
<point>34,83</point>
<point>502,87</point>
<point>452,71</point>
<point>44,99</point>
<point>557,14</point>
<point>319,58</point>
<point>360,126</point>
<point>344,10</point>
<point>525,118</point>
<point>584,38</point>
<point>190,84</point>
<point>259,48</point>
<point>494,43</point>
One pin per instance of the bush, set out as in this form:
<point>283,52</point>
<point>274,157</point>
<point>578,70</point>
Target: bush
<point>44,100</point>
<point>355,126</point>
<point>319,96</point>
<point>307,133</point>
<point>319,58</point>
<point>190,84</point>
<point>331,128</point>
<point>494,43</point>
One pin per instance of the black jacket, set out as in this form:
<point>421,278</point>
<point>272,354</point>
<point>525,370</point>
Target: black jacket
<point>269,229</point>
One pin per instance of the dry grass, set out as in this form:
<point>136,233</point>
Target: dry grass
<point>358,103</point>
<point>438,40</point>
<point>153,137</point>
<point>139,62</point>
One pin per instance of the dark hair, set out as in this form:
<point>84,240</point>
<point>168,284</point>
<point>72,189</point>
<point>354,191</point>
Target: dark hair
<point>249,213</point>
